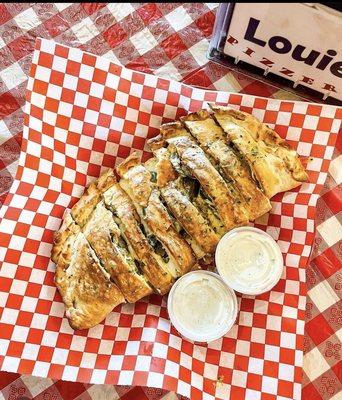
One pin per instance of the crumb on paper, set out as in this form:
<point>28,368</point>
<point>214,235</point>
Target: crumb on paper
<point>219,381</point>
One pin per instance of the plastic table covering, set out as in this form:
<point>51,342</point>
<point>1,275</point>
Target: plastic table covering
<point>168,40</point>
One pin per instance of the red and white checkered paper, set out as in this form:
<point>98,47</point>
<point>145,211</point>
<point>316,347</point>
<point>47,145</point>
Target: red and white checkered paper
<point>83,115</point>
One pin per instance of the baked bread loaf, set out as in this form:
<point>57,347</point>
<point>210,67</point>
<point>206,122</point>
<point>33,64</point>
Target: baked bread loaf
<point>129,237</point>
<point>86,288</point>
<point>274,164</point>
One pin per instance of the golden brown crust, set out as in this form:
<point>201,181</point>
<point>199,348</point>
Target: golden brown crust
<point>212,139</point>
<point>209,212</point>
<point>86,289</point>
<point>138,185</point>
<point>178,171</point>
<point>156,142</point>
<point>152,266</point>
<point>164,173</point>
<point>163,167</point>
<point>190,218</point>
<point>106,180</point>
<point>268,156</point>
<point>160,223</point>
<point>67,229</point>
<point>193,157</point>
<point>281,148</point>
<point>173,129</point>
<point>131,161</point>
<point>200,115</point>
<point>82,210</point>
<point>139,180</point>
<point>104,236</point>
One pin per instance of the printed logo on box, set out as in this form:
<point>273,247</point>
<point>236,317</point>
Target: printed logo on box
<point>290,40</point>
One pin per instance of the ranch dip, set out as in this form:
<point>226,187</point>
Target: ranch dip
<point>249,260</point>
<point>201,307</point>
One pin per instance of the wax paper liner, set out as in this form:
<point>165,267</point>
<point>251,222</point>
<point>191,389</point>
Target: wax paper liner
<point>83,115</point>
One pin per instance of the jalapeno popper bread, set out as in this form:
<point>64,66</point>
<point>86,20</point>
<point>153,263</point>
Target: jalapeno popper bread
<point>138,182</point>
<point>86,288</point>
<point>274,164</point>
<point>214,142</point>
<point>152,265</point>
<point>129,237</point>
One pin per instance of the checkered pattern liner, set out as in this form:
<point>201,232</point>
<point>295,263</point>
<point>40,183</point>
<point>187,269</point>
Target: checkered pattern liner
<point>322,343</point>
<point>84,114</point>
<point>25,387</point>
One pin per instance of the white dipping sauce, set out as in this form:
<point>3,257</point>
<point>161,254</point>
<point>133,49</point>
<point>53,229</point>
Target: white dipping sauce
<point>201,307</point>
<point>249,260</point>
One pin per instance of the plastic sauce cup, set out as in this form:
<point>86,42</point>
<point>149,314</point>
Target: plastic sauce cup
<point>249,260</point>
<point>201,306</point>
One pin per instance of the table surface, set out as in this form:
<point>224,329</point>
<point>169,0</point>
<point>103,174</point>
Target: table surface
<point>168,40</point>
